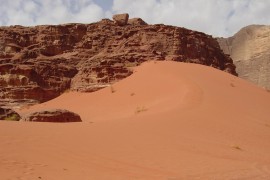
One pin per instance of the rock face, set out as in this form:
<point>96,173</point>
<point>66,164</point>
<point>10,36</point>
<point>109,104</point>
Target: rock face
<point>250,51</point>
<point>9,115</point>
<point>54,115</point>
<point>34,82</point>
<point>39,63</point>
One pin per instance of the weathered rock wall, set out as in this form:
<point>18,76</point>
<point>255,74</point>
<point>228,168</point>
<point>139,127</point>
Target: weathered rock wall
<point>250,51</point>
<point>39,63</point>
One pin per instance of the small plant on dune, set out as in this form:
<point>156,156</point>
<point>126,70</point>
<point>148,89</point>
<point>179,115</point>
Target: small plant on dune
<point>12,117</point>
<point>232,84</point>
<point>132,94</point>
<point>140,109</point>
<point>268,90</point>
<point>112,89</point>
<point>237,147</point>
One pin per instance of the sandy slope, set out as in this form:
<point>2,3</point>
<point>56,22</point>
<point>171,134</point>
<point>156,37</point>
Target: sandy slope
<point>167,121</point>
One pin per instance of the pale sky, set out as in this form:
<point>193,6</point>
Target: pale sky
<point>214,17</point>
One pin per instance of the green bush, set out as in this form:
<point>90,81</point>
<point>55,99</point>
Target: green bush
<point>12,117</point>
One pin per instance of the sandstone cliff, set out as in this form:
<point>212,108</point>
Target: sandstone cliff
<point>250,51</point>
<point>39,63</point>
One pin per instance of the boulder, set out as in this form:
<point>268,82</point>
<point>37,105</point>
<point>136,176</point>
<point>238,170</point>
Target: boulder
<point>53,115</point>
<point>136,21</point>
<point>121,19</point>
<point>9,114</point>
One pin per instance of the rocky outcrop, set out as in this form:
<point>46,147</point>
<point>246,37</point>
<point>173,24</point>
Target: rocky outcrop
<point>9,115</point>
<point>53,115</point>
<point>39,63</point>
<point>250,51</point>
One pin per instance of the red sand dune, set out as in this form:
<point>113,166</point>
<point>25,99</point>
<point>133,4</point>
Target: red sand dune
<point>168,120</point>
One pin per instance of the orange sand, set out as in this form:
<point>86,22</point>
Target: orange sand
<point>168,120</point>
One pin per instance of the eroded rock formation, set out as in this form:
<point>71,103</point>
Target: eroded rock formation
<point>52,115</point>
<point>39,63</point>
<point>250,51</point>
